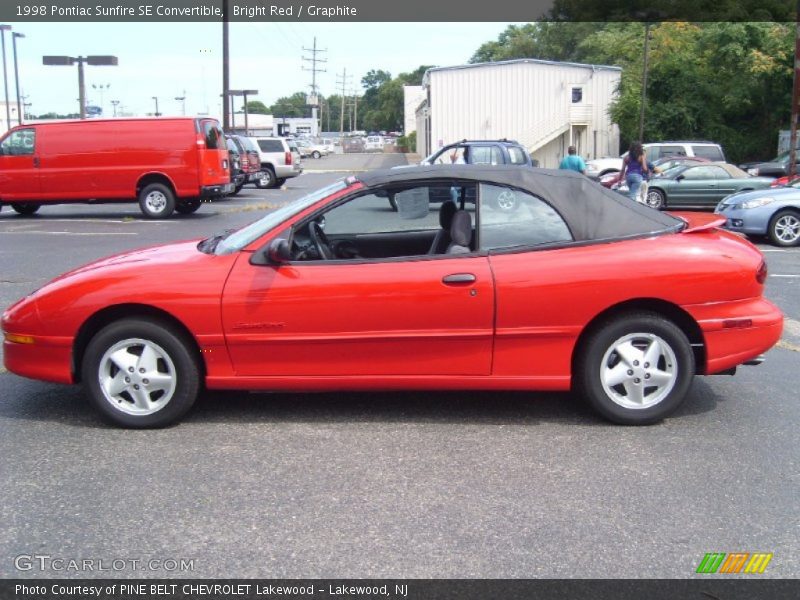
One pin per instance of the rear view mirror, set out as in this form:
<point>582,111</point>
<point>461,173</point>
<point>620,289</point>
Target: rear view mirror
<point>278,251</point>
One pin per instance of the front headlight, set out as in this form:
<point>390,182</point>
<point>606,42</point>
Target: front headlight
<point>755,203</point>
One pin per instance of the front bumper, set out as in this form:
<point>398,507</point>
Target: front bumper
<point>749,221</point>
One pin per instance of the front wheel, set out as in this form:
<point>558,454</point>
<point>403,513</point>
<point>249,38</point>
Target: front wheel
<point>784,228</point>
<point>316,154</point>
<point>636,370</point>
<point>140,373</point>
<point>25,208</point>
<point>187,207</point>
<point>656,199</point>
<point>156,201</point>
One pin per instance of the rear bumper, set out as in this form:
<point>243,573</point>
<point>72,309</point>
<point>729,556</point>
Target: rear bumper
<point>737,332</point>
<point>213,191</point>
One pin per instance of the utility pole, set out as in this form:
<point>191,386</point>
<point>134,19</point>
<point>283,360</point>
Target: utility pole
<point>644,81</point>
<point>344,86</point>
<point>314,97</point>
<point>226,68</point>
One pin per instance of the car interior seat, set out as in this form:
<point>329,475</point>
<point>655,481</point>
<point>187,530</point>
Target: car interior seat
<point>460,233</point>
<point>442,240</point>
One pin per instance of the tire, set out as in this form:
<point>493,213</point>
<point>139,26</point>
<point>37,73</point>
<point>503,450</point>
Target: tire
<point>784,228</point>
<point>268,180</point>
<point>614,385</point>
<point>236,190</point>
<point>187,207</point>
<point>280,182</point>
<point>316,154</point>
<point>25,208</point>
<point>156,201</point>
<point>121,347</point>
<point>656,199</point>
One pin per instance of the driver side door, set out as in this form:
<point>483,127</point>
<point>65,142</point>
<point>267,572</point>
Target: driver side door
<point>397,312</point>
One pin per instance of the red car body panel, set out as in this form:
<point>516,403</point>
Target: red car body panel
<point>99,159</point>
<point>395,324</point>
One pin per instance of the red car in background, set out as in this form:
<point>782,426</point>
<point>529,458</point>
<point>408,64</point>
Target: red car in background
<point>574,289</point>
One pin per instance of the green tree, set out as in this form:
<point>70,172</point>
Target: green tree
<point>257,107</point>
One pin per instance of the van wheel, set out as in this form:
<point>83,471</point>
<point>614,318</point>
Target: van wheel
<point>187,207</point>
<point>156,201</point>
<point>268,179</point>
<point>141,373</point>
<point>27,208</point>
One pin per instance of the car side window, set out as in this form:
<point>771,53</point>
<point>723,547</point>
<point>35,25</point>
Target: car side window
<point>20,143</point>
<point>212,135</point>
<point>451,156</point>
<point>516,155</point>
<point>709,152</point>
<point>510,218</point>
<point>696,173</point>
<point>270,145</point>
<point>388,223</point>
<point>485,155</point>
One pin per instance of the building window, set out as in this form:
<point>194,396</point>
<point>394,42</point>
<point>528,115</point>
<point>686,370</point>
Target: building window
<point>577,95</point>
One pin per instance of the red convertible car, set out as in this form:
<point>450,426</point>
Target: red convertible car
<point>576,288</point>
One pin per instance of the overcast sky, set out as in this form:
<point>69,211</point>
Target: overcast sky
<point>175,59</point>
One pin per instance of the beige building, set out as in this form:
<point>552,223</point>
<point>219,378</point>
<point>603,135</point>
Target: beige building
<point>546,106</point>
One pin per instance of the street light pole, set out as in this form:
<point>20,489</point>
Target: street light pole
<point>3,29</point>
<point>114,104</point>
<point>89,60</point>
<point>157,113</point>
<point>14,37</point>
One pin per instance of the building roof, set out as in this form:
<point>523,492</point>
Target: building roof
<point>533,61</point>
<point>591,211</point>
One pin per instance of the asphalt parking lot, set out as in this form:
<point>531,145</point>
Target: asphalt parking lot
<point>416,485</point>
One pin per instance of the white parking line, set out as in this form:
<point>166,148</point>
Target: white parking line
<point>789,250</point>
<point>65,220</point>
<point>790,276</point>
<point>71,233</point>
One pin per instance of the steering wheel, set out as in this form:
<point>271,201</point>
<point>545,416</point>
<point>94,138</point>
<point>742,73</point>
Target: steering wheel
<point>320,240</point>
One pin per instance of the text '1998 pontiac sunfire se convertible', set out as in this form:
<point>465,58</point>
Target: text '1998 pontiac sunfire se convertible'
<point>485,278</point>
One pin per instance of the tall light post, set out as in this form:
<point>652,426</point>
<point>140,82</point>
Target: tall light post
<point>157,114</point>
<point>114,103</point>
<point>3,29</point>
<point>14,37</point>
<point>244,94</point>
<point>101,87</point>
<point>89,60</point>
<point>182,100</point>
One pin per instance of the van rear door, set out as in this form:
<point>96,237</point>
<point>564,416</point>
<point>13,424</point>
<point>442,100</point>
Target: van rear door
<point>19,165</point>
<point>213,160</point>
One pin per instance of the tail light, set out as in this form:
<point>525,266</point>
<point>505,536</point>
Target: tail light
<point>288,158</point>
<point>761,273</point>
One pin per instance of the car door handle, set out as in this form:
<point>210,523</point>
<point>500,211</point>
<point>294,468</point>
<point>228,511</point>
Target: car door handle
<point>35,161</point>
<point>456,278</point>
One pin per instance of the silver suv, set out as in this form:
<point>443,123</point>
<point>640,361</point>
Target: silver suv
<point>709,150</point>
<point>279,161</point>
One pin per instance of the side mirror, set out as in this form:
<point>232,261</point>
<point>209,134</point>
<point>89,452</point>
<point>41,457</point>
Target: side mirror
<point>680,178</point>
<point>278,251</point>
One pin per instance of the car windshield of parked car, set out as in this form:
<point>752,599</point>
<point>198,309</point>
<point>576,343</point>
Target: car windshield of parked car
<point>247,235</point>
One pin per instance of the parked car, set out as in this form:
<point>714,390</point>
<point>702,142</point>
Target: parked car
<point>375,300</point>
<point>610,180</point>
<point>164,164</point>
<point>481,152</point>
<point>237,156</point>
<point>312,149</point>
<point>777,167</point>
<point>598,167</point>
<point>280,160</point>
<point>374,143</point>
<point>774,213</point>
<point>784,181</point>
<point>700,186</point>
<point>254,173</point>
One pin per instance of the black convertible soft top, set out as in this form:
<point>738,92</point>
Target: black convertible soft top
<point>591,211</point>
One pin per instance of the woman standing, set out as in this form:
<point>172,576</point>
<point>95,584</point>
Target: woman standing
<point>634,169</point>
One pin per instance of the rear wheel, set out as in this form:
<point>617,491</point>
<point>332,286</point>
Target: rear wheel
<point>280,182</point>
<point>236,190</point>
<point>784,228</point>
<point>316,154</point>
<point>267,180</point>
<point>186,207</point>
<point>140,373</point>
<point>25,208</point>
<point>656,199</point>
<point>156,201</point>
<point>636,370</point>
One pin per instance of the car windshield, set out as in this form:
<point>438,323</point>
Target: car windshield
<point>248,234</point>
<point>672,172</point>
